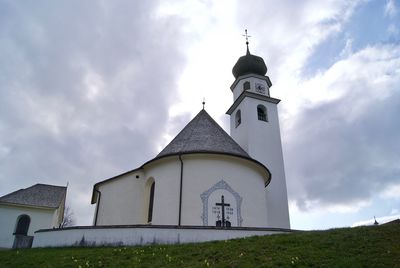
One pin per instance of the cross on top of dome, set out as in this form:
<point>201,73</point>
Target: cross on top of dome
<point>249,64</point>
<point>247,37</point>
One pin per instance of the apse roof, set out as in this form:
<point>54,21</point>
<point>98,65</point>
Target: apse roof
<point>40,195</point>
<point>203,134</point>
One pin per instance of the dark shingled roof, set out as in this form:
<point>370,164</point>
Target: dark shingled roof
<point>41,195</point>
<point>203,134</point>
<point>249,64</point>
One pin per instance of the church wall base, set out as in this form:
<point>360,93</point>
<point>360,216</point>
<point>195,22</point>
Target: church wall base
<point>133,235</point>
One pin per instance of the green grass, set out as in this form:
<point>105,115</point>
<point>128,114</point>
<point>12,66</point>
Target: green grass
<point>375,246</point>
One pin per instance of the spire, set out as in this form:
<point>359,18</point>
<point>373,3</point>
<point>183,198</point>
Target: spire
<point>249,64</point>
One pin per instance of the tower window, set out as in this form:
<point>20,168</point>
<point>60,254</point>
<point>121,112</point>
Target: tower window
<point>238,118</point>
<point>262,113</point>
<point>246,85</point>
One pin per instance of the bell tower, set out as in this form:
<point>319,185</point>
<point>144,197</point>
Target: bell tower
<point>254,125</point>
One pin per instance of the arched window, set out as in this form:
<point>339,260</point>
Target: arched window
<point>246,85</point>
<point>262,113</point>
<point>238,118</point>
<point>22,226</point>
<point>151,202</point>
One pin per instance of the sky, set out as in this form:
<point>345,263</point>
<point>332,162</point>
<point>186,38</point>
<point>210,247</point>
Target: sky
<point>92,89</point>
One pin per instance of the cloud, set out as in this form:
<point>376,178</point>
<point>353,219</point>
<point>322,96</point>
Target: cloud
<point>348,49</point>
<point>290,30</point>
<point>90,90</point>
<point>84,91</point>
<point>390,8</point>
<point>342,147</point>
<point>333,119</point>
<point>380,220</point>
<point>392,30</point>
<point>391,192</point>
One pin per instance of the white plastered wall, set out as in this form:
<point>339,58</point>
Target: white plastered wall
<point>41,218</point>
<point>202,171</point>
<point>262,141</point>
<point>121,200</point>
<point>124,200</point>
<point>238,89</point>
<point>166,174</point>
<point>58,214</point>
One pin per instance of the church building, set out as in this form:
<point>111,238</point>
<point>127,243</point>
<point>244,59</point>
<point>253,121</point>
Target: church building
<point>206,177</point>
<point>25,211</point>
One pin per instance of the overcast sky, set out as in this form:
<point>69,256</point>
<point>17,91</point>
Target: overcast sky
<point>91,89</point>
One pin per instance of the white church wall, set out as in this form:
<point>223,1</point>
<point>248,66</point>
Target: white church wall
<point>40,219</point>
<point>243,176</point>
<point>253,79</point>
<point>58,214</point>
<point>238,89</point>
<point>240,132</point>
<point>122,200</point>
<point>166,174</point>
<point>264,144</point>
<point>262,141</point>
<point>131,236</point>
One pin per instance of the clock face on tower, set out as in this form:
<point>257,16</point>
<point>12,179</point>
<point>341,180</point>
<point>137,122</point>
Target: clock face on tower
<point>260,88</point>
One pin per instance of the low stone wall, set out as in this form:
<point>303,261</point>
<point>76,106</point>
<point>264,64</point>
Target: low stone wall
<point>141,235</point>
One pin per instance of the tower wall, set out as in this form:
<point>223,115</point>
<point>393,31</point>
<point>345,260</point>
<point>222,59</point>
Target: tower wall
<point>262,141</point>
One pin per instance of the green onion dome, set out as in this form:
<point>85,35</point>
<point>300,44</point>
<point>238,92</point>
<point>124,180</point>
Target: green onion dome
<point>249,64</point>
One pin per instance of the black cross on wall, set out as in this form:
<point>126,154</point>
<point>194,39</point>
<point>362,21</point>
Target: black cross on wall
<point>224,222</point>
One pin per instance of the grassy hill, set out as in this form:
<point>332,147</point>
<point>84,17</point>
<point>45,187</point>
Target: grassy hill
<point>374,246</point>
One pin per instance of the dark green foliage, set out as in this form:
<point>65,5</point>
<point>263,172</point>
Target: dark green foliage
<point>375,246</point>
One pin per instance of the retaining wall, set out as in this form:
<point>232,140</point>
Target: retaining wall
<point>141,235</point>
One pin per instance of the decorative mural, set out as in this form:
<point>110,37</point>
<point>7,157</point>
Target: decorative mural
<point>221,206</point>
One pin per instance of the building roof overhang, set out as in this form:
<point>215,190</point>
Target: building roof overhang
<point>250,95</point>
<point>263,77</point>
<point>38,195</point>
<point>202,135</point>
<point>141,168</point>
<point>26,206</point>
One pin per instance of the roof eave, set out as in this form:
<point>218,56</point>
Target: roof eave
<point>93,199</point>
<point>251,95</point>
<point>268,180</point>
<point>27,205</point>
<point>264,77</point>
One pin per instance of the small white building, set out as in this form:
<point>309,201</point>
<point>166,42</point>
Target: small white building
<point>206,177</point>
<point>27,210</point>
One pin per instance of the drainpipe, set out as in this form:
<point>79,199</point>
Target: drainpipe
<point>180,192</point>
<point>97,207</point>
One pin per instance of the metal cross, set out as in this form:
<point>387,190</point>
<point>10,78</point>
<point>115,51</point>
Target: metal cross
<point>247,36</point>
<point>223,205</point>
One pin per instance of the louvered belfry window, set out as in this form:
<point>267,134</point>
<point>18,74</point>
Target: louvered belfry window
<point>262,113</point>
